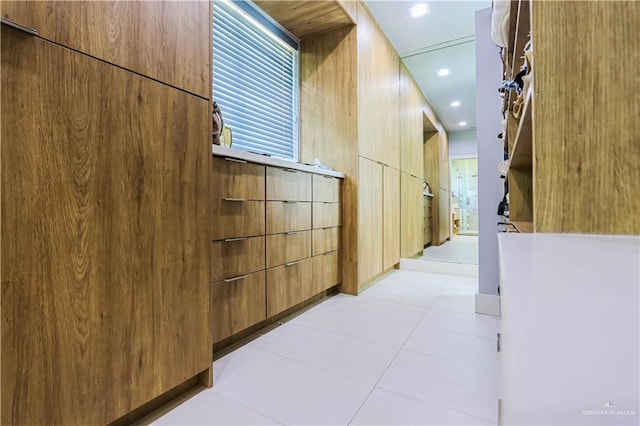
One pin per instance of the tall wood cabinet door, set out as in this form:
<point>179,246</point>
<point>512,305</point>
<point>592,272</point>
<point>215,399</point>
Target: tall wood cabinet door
<point>411,224</point>
<point>105,225</point>
<point>444,215</point>
<point>370,221</point>
<point>391,213</point>
<point>166,40</point>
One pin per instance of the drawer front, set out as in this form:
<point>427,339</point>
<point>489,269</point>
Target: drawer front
<point>326,215</point>
<point>325,240</point>
<point>288,217</point>
<point>326,188</point>
<point>233,219</point>
<point>326,271</point>
<point>237,256</point>
<point>288,285</point>
<point>286,184</point>
<point>237,304</point>
<point>289,247</point>
<point>238,179</point>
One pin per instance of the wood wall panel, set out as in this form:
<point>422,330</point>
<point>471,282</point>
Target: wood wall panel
<point>328,90</point>
<point>444,215</point>
<point>351,8</point>
<point>391,217</point>
<point>411,124</point>
<point>307,18</point>
<point>370,220</point>
<point>169,41</point>
<point>105,221</point>
<point>586,149</point>
<point>378,93</point>
<point>412,215</point>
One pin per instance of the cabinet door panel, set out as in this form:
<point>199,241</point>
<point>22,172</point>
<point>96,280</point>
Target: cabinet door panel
<point>155,39</point>
<point>325,240</point>
<point>369,220</point>
<point>106,236</point>
<point>288,247</point>
<point>391,213</point>
<point>326,215</point>
<point>237,179</point>
<point>288,285</point>
<point>326,271</point>
<point>288,185</point>
<point>288,216</point>
<point>234,219</point>
<point>326,188</point>
<point>237,304</point>
<point>236,256</point>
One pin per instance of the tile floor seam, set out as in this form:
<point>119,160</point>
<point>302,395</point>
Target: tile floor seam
<point>382,375</point>
<point>406,304</point>
<point>244,406</point>
<point>383,318</point>
<point>347,335</point>
<point>475,367</point>
<point>492,339</point>
<point>432,403</point>
<point>311,365</point>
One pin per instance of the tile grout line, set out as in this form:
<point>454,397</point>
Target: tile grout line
<point>246,407</point>
<point>384,372</point>
<point>462,364</point>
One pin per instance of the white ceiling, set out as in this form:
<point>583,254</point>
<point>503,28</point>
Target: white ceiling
<point>442,39</point>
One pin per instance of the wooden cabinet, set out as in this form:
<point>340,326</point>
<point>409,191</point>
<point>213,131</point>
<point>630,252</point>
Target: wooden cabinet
<point>370,220</point>
<point>237,303</point>
<point>106,233</point>
<point>391,217</point>
<point>281,246</point>
<point>155,39</point>
<point>412,222</point>
<point>411,124</point>
<point>428,233</point>
<point>288,285</point>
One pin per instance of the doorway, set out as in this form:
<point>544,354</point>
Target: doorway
<point>464,196</point>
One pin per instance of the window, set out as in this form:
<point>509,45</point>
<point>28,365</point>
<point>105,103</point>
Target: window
<point>255,79</point>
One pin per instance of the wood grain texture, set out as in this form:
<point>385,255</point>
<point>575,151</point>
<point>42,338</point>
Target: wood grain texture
<point>288,285</point>
<point>325,240</point>
<point>232,219</point>
<point>444,215</point>
<point>521,194</point>
<point>522,155</point>
<point>391,217</point>
<point>370,220</point>
<point>284,184</point>
<point>285,248</point>
<point>326,215</point>
<point>432,176</point>
<point>411,124</point>
<point>233,258</point>
<point>326,188</point>
<point>234,179</point>
<point>351,9</point>
<point>585,123</point>
<point>288,217</point>
<point>428,234</point>
<point>237,305</point>
<point>155,39</point>
<point>328,89</point>
<point>105,224</point>
<point>326,271</point>
<point>411,214</point>
<point>306,18</point>
<point>443,162</point>
<point>378,93</point>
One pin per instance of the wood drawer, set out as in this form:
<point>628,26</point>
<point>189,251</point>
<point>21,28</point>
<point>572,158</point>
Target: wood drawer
<point>288,185</point>
<point>237,256</point>
<point>326,188</point>
<point>285,216</point>
<point>288,285</point>
<point>326,215</point>
<point>238,179</point>
<point>233,219</point>
<point>237,304</point>
<point>325,240</point>
<point>326,271</point>
<point>288,247</point>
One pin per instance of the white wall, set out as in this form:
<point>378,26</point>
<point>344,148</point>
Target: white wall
<point>463,144</point>
<point>490,186</point>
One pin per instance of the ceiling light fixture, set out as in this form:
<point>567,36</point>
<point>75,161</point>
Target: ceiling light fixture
<point>463,123</point>
<point>455,104</point>
<point>419,10</point>
<point>444,71</point>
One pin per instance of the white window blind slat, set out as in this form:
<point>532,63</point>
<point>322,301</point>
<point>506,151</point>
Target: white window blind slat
<point>255,82</point>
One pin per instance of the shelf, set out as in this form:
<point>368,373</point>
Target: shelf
<point>522,154</point>
<point>524,227</point>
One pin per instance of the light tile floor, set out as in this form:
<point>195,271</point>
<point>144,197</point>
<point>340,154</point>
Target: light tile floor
<point>409,350</point>
<point>461,249</point>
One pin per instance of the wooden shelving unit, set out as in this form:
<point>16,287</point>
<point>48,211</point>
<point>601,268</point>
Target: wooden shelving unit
<point>522,155</point>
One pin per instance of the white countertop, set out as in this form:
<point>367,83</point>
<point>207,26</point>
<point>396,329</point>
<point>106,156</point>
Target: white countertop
<point>570,329</point>
<point>223,151</point>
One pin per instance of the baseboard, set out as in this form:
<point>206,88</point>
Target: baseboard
<point>488,304</point>
<point>449,268</point>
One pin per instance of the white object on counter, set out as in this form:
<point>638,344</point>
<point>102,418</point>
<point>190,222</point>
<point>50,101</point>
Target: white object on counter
<point>570,329</point>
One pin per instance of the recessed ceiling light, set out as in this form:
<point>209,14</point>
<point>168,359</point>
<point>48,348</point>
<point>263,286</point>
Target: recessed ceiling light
<point>463,123</point>
<point>419,10</point>
<point>455,104</point>
<point>444,71</point>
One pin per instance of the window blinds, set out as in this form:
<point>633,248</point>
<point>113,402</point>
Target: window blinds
<point>255,80</point>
